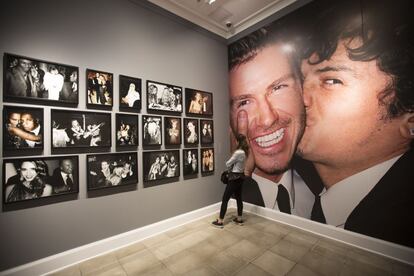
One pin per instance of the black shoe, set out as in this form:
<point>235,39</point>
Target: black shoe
<point>217,224</point>
<point>238,221</point>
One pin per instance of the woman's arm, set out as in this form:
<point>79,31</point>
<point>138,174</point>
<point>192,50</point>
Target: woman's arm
<point>24,135</point>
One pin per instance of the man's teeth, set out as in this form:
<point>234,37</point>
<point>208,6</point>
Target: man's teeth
<point>271,139</point>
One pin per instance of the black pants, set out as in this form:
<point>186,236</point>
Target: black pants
<point>234,187</point>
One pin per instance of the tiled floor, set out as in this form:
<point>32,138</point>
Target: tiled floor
<point>259,247</point>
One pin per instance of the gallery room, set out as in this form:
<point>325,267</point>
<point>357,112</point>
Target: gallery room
<point>121,117</point>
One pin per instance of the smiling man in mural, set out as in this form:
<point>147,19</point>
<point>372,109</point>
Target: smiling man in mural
<point>359,99</point>
<point>267,106</point>
<point>358,96</point>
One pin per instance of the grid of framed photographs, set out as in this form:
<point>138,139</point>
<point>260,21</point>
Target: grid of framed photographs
<point>31,81</point>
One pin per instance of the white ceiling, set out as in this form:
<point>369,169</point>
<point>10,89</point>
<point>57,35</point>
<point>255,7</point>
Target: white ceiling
<point>215,17</point>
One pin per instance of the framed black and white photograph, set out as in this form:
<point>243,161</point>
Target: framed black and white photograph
<point>198,102</point>
<point>206,132</point>
<point>80,129</point>
<point>207,160</point>
<point>151,130</point>
<point>22,129</point>
<point>164,97</point>
<point>190,161</point>
<point>110,170</point>
<point>99,87</point>
<point>190,132</point>
<point>126,130</point>
<point>130,94</point>
<point>37,177</point>
<point>32,81</point>
<point>172,131</point>
<point>161,164</point>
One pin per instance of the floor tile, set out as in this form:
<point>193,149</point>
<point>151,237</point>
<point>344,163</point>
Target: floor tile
<point>301,238</point>
<point>277,229</point>
<point>300,270</point>
<point>322,265</point>
<point>290,250</point>
<point>130,249</point>
<point>114,269</point>
<point>226,264</point>
<point>156,240</point>
<point>202,271</point>
<point>158,270</point>
<point>273,263</point>
<point>371,259</point>
<point>183,262</point>
<point>331,248</point>
<point>356,268</point>
<point>223,239</point>
<point>100,262</point>
<point>168,249</point>
<point>252,269</point>
<point>177,232</point>
<point>139,262</point>
<point>264,239</point>
<point>245,250</point>
<point>205,249</point>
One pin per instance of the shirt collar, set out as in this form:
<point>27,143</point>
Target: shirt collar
<point>269,189</point>
<point>341,199</point>
<point>36,130</point>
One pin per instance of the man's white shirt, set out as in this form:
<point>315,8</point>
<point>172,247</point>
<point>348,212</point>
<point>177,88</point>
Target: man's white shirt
<point>300,196</point>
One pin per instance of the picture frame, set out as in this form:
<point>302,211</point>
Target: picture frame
<point>34,81</point>
<point>191,161</point>
<point>172,131</point>
<point>111,170</point>
<point>39,177</point>
<point>159,165</point>
<point>151,130</point>
<point>130,94</point>
<point>198,103</point>
<point>99,89</point>
<point>206,132</point>
<point>162,97</point>
<point>190,128</point>
<point>22,130</point>
<point>207,160</point>
<point>126,131</point>
<point>80,129</point>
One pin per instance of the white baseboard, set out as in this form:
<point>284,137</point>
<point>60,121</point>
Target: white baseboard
<point>391,250</point>
<point>82,253</point>
<point>88,251</point>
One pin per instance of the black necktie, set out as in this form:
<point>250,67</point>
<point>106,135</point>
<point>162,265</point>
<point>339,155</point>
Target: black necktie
<point>69,182</point>
<point>283,199</point>
<point>28,86</point>
<point>317,212</point>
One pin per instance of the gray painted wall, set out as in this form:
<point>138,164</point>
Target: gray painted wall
<point>121,37</point>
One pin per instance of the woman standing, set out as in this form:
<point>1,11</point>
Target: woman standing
<point>236,165</point>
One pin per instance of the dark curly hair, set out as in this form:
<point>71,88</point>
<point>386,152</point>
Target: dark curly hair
<point>386,31</point>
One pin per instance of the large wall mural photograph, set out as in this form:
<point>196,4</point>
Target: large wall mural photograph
<point>325,96</point>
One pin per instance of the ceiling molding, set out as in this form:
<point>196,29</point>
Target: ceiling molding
<point>219,28</point>
<point>192,17</point>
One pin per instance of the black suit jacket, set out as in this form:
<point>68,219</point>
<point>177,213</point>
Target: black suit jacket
<point>58,183</point>
<point>387,212</point>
